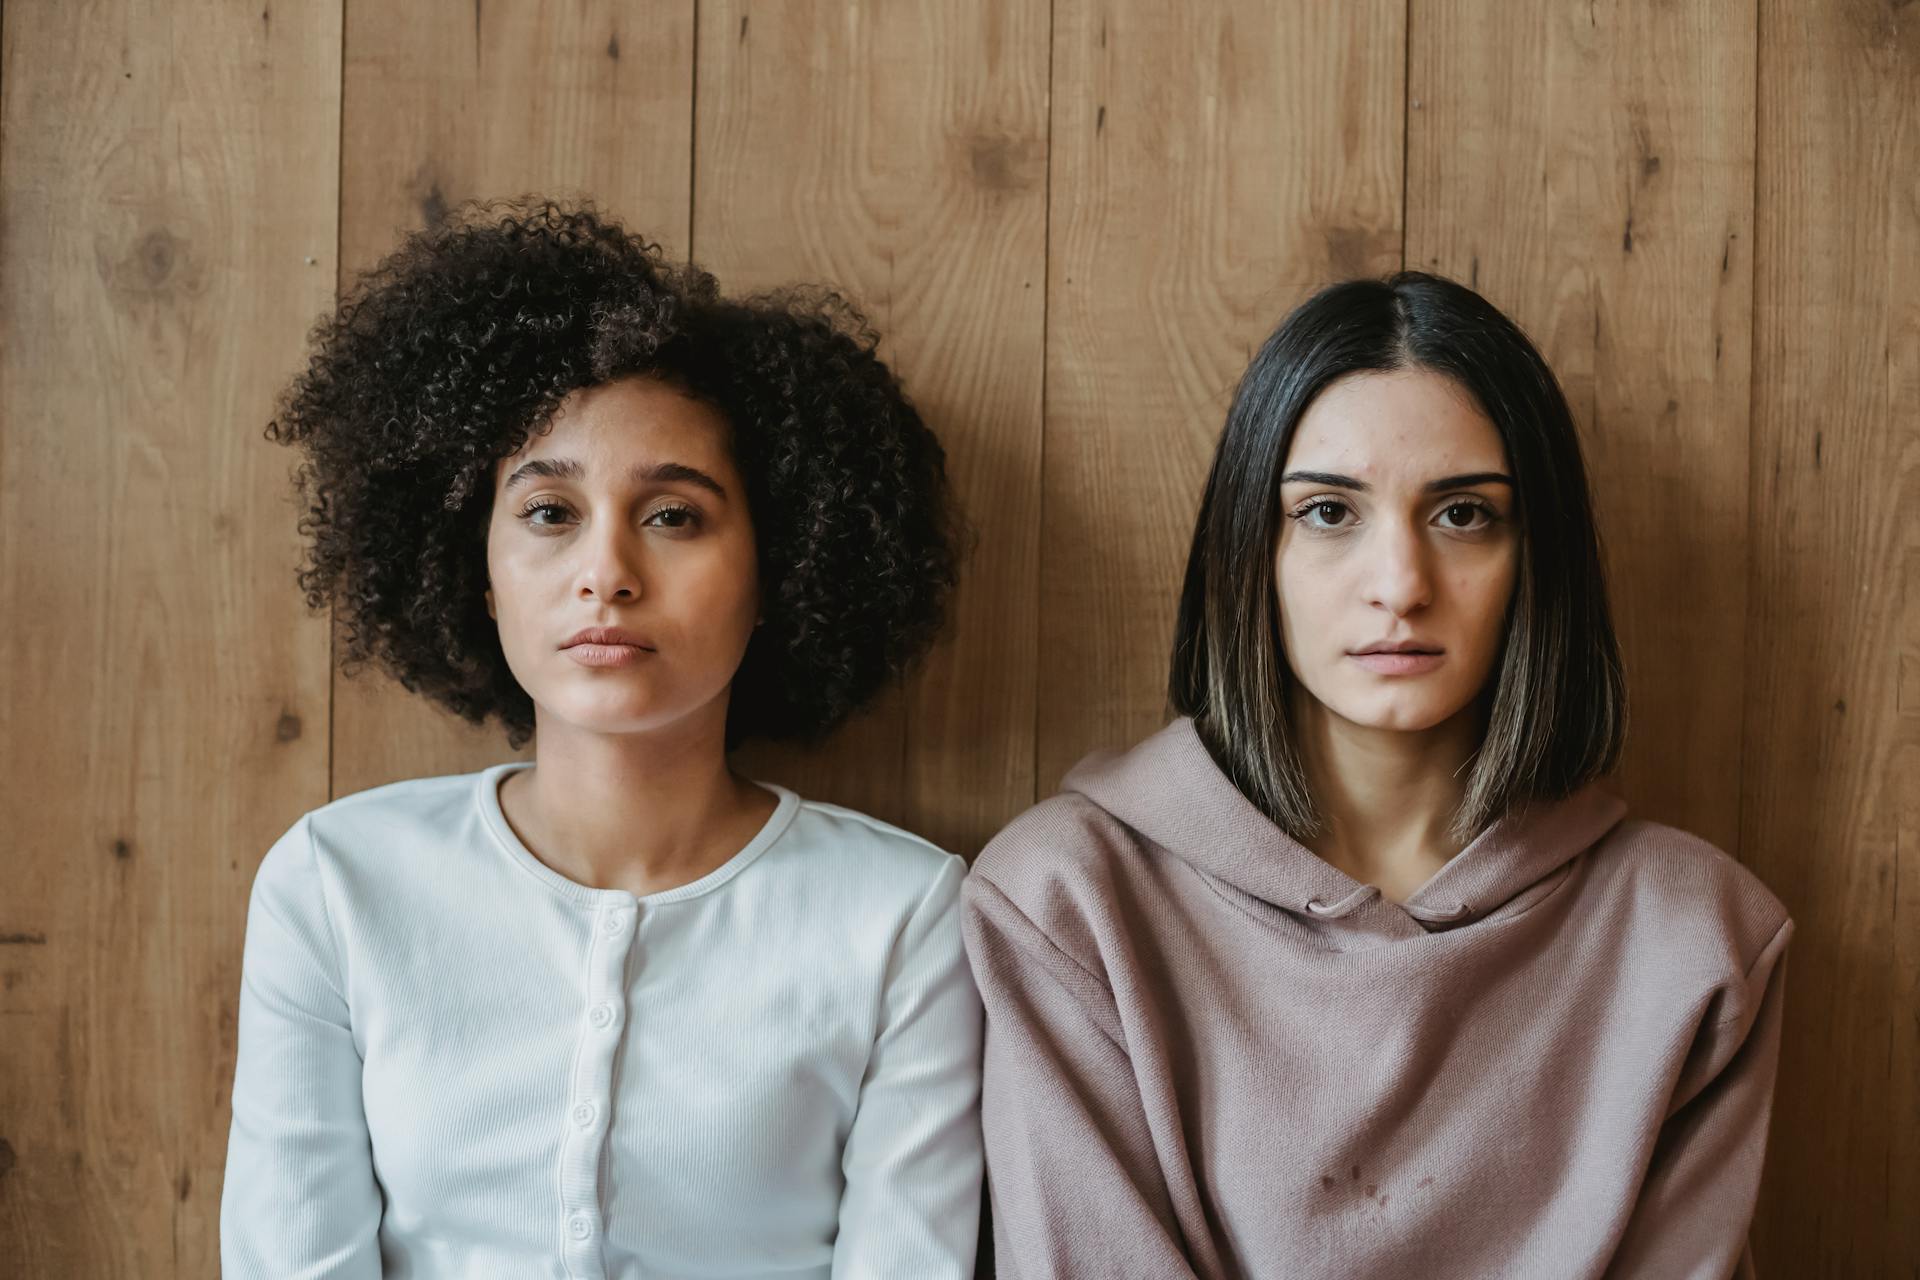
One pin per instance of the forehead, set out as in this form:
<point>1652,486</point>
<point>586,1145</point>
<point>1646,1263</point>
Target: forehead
<point>621,422</point>
<point>1407,424</point>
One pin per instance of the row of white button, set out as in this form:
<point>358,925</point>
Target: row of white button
<point>594,1063</point>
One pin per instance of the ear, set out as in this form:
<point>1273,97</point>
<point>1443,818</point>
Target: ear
<point>491,611</point>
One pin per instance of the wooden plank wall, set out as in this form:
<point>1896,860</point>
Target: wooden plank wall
<point>1830,812</point>
<point>446,102</point>
<point>900,151</point>
<point>1211,166</point>
<point>170,186</point>
<point>1072,220</point>
<point>1622,240</point>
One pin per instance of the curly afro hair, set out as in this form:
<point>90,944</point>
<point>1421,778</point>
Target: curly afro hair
<point>445,357</point>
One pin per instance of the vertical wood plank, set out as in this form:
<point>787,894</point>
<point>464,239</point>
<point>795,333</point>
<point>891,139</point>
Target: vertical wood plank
<point>1831,815</point>
<point>1591,172</point>
<point>1212,165</point>
<point>168,194</point>
<point>898,150</point>
<point>449,100</point>
<point>164,245</point>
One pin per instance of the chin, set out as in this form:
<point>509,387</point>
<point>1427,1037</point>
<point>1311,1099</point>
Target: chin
<point>631,707</point>
<point>611,717</point>
<point>1394,722</point>
<point>1402,714</point>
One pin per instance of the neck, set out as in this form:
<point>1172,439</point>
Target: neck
<point>643,812</point>
<point>1388,796</point>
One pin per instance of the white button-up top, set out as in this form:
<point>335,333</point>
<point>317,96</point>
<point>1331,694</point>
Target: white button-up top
<point>455,1062</point>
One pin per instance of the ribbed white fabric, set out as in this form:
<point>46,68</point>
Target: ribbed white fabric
<point>455,1062</point>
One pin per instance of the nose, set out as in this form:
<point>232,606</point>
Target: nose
<point>608,569</point>
<point>1400,580</point>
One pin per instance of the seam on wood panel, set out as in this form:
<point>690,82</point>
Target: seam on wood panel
<point>1046,361</point>
<point>1406,117</point>
<point>693,127</point>
<point>339,280</point>
<point>3,88</point>
<point>332,697</point>
<point>1741,852</point>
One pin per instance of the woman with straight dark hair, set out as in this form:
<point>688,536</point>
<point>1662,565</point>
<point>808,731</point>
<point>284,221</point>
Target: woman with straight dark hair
<point>1357,968</point>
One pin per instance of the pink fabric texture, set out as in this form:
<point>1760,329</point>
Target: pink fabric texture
<point>1211,1054</point>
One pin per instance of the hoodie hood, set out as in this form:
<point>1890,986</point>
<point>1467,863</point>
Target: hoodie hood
<point>1169,790</point>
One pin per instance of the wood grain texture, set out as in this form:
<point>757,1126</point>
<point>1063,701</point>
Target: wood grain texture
<point>168,197</point>
<point>1212,165</point>
<point>451,100</point>
<point>1831,815</point>
<point>1591,172</point>
<point>899,151</point>
<point>1073,220</point>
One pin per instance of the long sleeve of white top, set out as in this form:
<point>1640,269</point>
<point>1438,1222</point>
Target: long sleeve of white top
<point>912,1198</point>
<point>454,1062</point>
<point>300,1200</point>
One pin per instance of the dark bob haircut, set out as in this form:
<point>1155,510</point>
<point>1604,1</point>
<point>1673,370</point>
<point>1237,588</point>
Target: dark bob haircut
<point>1556,707</point>
<point>445,358</point>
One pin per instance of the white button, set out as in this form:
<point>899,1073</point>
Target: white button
<point>578,1227</point>
<point>601,1015</point>
<point>614,923</point>
<point>583,1114</point>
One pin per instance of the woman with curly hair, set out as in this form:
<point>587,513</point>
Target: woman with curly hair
<point>619,1011</point>
<point>1358,968</point>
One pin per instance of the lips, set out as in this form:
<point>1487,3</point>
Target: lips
<point>1400,657</point>
<point>606,647</point>
<point>1400,646</point>
<point>606,636</point>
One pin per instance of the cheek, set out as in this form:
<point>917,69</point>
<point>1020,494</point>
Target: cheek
<point>745,593</point>
<point>515,575</point>
<point>1484,594</point>
<point>1307,586</point>
<point>718,587</point>
<point>499,587</point>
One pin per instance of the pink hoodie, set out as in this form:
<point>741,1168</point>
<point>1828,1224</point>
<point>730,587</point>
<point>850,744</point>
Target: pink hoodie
<point>1209,1053</point>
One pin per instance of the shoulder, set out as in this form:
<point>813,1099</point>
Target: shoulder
<point>1066,840</point>
<point>371,833</point>
<point>1060,871</point>
<point>1691,895</point>
<point>870,862</point>
<point>379,814</point>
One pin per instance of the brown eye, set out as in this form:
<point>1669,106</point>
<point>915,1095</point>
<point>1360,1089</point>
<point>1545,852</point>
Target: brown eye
<point>545,515</point>
<point>1464,515</point>
<point>673,518</point>
<point>1329,514</point>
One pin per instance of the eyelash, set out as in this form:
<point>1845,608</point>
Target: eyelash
<point>532,509</point>
<point>691,517</point>
<point>1301,512</point>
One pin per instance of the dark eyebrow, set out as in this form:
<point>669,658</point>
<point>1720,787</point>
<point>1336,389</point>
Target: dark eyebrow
<point>1326,478</point>
<point>550,468</point>
<point>1470,479</point>
<point>670,472</point>
<point>569,469</point>
<point>1444,483</point>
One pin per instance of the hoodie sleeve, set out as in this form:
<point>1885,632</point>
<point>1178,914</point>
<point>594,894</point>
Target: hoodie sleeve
<point>1074,1183</point>
<point>1696,1204</point>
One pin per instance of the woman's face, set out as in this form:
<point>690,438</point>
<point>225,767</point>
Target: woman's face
<point>1398,552</point>
<point>622,564</point>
